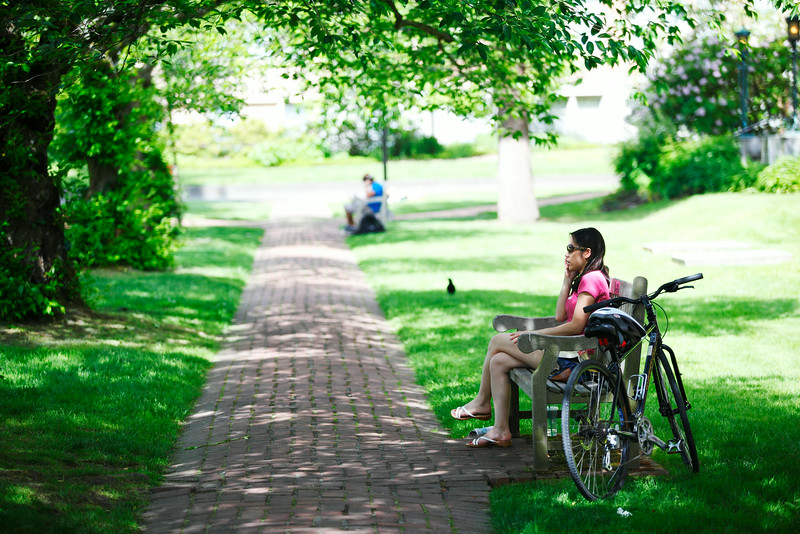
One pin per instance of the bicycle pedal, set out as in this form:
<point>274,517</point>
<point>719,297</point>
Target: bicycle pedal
<point>675,446</point>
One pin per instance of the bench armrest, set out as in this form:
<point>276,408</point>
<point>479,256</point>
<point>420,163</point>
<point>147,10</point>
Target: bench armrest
<point>531,341</point>
<point>504,323</point>
<point>552,347</point>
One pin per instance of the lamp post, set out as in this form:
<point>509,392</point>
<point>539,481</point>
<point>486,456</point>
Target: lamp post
<point>742,36</point>
<point>793,29</point>
<point>385,151</point>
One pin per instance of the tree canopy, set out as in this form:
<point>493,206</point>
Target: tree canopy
<point>492,57</point>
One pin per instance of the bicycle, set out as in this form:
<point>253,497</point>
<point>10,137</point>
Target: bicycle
<point>597,421</point>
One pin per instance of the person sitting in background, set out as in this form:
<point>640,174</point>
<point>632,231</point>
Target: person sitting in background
<point>355,208</point>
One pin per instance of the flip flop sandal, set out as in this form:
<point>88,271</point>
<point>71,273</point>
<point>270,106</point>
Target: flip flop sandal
<point>483,441</point>
<point>462,414</point>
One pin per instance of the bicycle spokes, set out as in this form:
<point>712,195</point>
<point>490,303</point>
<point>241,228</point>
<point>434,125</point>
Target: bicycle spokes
<point>592,415</point>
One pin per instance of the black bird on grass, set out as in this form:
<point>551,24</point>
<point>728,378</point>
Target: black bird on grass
<point>450,287</point>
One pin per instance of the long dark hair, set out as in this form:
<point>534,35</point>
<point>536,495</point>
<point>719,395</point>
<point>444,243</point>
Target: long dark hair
<point>592,239</point>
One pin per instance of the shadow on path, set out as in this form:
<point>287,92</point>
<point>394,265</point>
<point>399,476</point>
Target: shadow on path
<point>311,420</point>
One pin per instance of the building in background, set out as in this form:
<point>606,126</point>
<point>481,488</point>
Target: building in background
<point>276,101</point>
<point>594,110</point>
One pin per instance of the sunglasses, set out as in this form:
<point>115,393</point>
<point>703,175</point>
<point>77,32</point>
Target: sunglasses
<point>572,248</point>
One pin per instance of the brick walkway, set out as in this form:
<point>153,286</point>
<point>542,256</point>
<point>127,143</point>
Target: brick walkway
<point>311,421</point>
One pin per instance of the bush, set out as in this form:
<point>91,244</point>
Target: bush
<point>637,161</point>
<point>783,176</point>
<point>408,143</point>
<point>659,167</point>
<point>196,139</point>
<point>366,139</point>
<point>696,86</point>
<point>19,296</point>
<point>135,225</point>
<point>107,229</point>
<point>120,203</point>
<point>461,150</point>
<point>249,140</point>
<point>278,151</point>
<point>690,167</point>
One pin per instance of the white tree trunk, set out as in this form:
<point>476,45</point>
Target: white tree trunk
<point>516,201</point>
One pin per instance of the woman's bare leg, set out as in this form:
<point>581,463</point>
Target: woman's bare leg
<point>482,403</point>
<point>499,344</point>
<point>501,366</point>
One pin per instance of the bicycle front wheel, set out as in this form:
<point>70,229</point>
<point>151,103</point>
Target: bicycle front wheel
<point>594,408</point>
<point>671,404</point>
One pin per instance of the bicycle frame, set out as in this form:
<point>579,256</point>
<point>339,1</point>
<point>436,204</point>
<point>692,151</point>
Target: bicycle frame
<point>597,436</point>
<point>654,347</point>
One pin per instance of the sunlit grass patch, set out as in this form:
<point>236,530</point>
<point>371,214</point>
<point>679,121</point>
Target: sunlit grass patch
<point>734,335</point>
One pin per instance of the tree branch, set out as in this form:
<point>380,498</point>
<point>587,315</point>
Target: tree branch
<point>400,22</point>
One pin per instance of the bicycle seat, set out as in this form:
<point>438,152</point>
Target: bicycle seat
<point>615,326</point>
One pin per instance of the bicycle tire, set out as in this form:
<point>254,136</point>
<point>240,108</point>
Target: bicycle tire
<point>593,405</point>
<point>671,403</point>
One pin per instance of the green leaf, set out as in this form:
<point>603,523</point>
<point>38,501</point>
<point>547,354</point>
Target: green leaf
<point>483,51</point>
<point>446,20</point>
<point>464,48</point>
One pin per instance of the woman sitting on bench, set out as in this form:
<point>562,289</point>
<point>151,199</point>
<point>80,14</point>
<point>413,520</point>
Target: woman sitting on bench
<point>585,282</point>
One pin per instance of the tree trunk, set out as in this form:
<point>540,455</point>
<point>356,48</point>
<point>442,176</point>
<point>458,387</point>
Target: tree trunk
<point>29,196</point>
<point>516,202</point>
<point>103,176</point>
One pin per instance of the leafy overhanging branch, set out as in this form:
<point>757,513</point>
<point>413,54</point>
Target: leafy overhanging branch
<point>401,22</point>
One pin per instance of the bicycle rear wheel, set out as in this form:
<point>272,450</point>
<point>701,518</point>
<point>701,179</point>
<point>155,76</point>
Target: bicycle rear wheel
<point>593,409</point>
<point>671,403</point>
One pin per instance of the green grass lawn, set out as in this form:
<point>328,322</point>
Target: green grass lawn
<point>579,159</point>
<point>90,408</point>
<point>235,211</point>
<point>735,336</point>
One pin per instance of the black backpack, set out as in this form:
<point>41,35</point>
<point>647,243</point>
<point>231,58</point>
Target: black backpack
<point>369,224</point>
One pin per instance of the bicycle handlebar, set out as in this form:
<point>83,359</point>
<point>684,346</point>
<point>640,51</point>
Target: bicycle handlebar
<point>669,287</point>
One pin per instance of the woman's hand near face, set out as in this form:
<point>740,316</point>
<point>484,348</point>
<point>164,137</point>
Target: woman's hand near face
<point>569,275</point>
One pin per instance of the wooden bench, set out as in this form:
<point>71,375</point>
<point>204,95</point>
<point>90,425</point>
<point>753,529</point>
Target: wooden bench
<point>383,215</point>
<point>535,383</point>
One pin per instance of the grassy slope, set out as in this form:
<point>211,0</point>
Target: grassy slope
<point>735,336</point>
<point>90,411</point>
<point>90,408</point>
